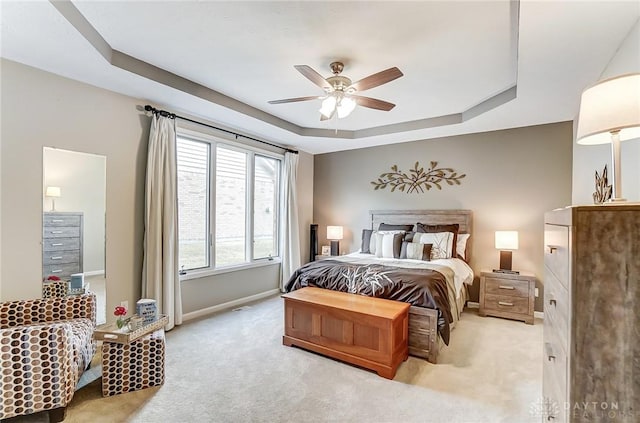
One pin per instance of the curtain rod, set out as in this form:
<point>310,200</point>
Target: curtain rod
<point>170,115</point>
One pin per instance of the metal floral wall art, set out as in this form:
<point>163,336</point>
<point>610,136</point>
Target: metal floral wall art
<point>603,189</point>
<point>417,179</point>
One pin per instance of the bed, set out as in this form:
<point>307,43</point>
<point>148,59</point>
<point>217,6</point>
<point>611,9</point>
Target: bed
<point>436,289</point>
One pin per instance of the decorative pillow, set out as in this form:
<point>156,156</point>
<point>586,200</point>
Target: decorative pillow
<point>388,227</point>
<point>366,242</point>
<point>416,251</point>
<point>461,246</point>
<point>442,243</point>
<point>453,228</point>
<point>388,245</point>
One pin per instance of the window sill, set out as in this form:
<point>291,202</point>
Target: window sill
<point>197,274</point>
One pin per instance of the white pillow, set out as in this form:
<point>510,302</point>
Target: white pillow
<point>442,243</point>
<point>461,247</point>
<point>373,243</point>
<point>385,243</point>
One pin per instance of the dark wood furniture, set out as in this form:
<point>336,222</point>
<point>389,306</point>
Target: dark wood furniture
<point>591,319</point>
<point>507,295</point>
<point>368,332</point>
<point>423,322</point>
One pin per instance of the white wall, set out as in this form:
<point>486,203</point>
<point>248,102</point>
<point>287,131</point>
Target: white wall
<point>40,109</point>
<point>589,158</point>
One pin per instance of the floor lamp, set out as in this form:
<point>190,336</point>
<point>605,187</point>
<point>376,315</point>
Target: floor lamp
<point>610,113</point>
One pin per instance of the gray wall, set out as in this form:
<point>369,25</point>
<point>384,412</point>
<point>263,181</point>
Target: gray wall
<point>513,177</point>
<point>589,158</point>
<point>41,109</point>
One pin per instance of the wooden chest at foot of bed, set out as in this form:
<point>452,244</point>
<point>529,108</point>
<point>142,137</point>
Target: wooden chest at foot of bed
<point>368,332</point>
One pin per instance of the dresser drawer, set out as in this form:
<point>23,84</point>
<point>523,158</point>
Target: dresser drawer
<point>63,270</point>
<point>55,257</point>
<point>506,303</point>
<point>51,219</point>
<point>61,231</point>
<point>554,403</point>
<point>556,308</point>
<point>60,244</point>
<point>510,287</point>
<point>556,251</point>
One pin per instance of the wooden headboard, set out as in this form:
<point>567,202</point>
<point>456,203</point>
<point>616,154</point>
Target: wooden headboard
<point>464,218</point>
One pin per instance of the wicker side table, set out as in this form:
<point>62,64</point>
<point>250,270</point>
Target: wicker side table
<point>133,366</point>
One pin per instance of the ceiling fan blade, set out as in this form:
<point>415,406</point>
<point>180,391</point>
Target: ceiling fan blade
<point>377,79</point>
<point>373,103</point>
<point>314,76</point>
<point>293,100</point>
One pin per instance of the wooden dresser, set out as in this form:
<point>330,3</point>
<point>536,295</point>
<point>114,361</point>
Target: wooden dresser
<point>365,331</point>
<point>62,244</point>
<point>507,295</point>
<point>591,314</point>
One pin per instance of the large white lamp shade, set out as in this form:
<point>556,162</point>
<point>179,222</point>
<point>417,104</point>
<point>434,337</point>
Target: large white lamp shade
<point>610,113</point>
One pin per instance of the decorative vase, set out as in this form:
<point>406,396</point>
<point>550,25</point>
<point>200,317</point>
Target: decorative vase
<point>120,322</point>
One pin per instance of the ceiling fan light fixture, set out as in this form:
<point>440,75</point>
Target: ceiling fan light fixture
<point>328,106</point>
<point>345,107</point>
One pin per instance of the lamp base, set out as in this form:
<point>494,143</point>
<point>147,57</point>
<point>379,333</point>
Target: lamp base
<point>335,248</point>
<point>505,260</point>
<point>616,200</point>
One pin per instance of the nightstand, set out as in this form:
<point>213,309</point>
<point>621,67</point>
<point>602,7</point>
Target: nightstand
<point>507,295</point>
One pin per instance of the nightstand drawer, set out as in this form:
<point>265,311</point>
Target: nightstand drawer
<point>506,303</point>
<point>510,287</point>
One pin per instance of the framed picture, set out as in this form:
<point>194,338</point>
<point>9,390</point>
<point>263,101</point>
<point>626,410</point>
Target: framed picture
<point>326,250</point>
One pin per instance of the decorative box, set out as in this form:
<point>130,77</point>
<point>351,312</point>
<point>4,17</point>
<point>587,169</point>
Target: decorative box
<point>147,309</point>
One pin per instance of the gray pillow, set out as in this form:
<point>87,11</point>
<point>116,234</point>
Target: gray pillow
<point>366,241</point>
<point>416,251</point>
<point>388,227</point>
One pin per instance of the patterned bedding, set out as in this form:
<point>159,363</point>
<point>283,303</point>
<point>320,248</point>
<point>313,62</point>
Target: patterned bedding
<point>424,284</point>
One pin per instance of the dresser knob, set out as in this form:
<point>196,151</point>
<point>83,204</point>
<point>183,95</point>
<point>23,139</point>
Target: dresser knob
<point>552,301</point>
<point>506,287</point>
<point>504,303</point>
<point>552,249</point>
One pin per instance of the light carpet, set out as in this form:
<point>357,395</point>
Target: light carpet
<point>232,367</point>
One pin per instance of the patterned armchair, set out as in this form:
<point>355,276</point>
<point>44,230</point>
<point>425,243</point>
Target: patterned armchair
<point>45,346</point>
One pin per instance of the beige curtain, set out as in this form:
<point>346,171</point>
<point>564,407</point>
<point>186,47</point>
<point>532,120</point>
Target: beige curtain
<point>160,266</point>
<point>290,232</point>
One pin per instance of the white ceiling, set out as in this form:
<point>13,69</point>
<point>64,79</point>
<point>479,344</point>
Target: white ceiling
<point>453,54</point>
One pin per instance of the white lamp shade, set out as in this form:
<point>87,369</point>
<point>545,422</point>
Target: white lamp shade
<point>506,240</point>
<point>610,105</point>
<point>52,192</point>
<point>346,106</point>
<point>334,232</point>
<point>328,106</point>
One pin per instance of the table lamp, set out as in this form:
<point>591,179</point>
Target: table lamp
<point>610,113</point>
<point>506,241</point>
<point>334,234</point>
<point>52,192</point>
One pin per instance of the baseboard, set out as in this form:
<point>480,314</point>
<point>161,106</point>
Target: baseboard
<point>230,304</point>
<point>536,314</point>
<point>94,273</point>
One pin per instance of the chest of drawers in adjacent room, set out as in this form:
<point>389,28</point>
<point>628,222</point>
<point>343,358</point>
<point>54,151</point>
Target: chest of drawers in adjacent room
<point>591,301</point>
<point>62,244</point>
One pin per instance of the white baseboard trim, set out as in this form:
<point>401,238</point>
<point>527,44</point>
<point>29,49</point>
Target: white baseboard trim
<point>229,304</point>
<point>94,273</point>
<point>536,314</point>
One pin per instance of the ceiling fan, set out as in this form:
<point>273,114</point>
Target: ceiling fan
<point>340,93</point>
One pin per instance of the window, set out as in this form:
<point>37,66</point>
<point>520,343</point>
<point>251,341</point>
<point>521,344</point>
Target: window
<point>228,204</point>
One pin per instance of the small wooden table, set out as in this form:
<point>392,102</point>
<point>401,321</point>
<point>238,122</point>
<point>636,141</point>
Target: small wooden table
<point>368,332</point>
